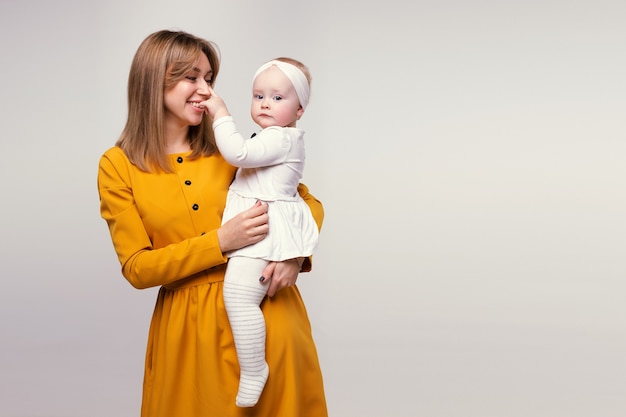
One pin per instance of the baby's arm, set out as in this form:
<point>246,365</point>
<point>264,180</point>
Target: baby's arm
<point>269,147</point>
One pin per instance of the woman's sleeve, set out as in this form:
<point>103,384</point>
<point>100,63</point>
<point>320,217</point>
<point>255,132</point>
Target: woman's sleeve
<point>143,265</point>
<point>317,210</point>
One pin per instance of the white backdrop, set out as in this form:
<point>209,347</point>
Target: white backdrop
<point>470,156</point>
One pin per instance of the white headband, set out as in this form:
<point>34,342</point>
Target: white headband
<point>294,74</point>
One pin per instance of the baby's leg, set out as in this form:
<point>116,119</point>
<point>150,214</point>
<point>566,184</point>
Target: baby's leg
<point>242,295</point>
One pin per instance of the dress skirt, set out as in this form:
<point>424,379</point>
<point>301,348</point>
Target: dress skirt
<point>293,232</point>
<point>191,365</point>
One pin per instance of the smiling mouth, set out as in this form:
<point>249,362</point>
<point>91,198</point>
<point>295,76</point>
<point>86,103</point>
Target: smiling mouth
<point>196,104</point>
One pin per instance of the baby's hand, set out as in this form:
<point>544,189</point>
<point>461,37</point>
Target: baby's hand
<point>215,106</point>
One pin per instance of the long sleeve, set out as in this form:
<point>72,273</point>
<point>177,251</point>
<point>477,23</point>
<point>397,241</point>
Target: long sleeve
<point>153,248</point>
<point>269,147</point>
<point>317,210</point>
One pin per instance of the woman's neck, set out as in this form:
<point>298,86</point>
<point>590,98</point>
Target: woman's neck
<point>173,148</point>
<point>177,141</point>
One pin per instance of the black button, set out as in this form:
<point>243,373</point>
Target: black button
<point>187,182</point>
<point>179,159</point>
<point>203,233</point>
<point>195,207</point>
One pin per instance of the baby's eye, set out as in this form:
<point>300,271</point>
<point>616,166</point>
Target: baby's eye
<point>277,98</point>
<point>258,96</point>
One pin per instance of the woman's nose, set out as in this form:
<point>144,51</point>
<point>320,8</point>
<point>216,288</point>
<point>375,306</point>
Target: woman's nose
<point>203,87</point>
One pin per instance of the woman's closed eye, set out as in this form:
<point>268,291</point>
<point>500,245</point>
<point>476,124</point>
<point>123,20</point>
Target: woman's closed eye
<point>193,79</point>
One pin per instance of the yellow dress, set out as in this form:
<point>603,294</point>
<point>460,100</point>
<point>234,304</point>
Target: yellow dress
<point>164,231</point>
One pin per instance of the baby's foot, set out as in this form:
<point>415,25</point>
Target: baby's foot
<point>250,388</point>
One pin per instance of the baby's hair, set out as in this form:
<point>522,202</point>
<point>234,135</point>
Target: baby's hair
<point>299,65</point>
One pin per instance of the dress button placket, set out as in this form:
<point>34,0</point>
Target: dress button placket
<point>195,207</point>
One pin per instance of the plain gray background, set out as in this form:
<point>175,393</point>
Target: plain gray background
<point>470,156</point>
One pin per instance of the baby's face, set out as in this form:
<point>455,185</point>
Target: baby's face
<point>274,100</point>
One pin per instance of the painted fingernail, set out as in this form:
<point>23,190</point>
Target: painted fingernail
<point>262,279</point>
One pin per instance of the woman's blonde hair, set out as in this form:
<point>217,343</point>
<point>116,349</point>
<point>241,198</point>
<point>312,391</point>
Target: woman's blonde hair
<point>162,60</point>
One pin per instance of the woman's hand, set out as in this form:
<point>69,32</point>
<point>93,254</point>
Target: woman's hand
<point>280,275</point>
<point>246,228</point>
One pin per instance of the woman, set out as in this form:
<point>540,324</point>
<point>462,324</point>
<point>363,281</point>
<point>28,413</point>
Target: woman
<point>162,192</point>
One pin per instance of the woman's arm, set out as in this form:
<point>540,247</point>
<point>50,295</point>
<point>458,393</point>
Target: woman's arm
<point>142,264</point>
<point>317,210</point>
<point>284,274</point>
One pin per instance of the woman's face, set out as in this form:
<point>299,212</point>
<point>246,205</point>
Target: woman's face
<point>183,99</point>
<point>274,100</point>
